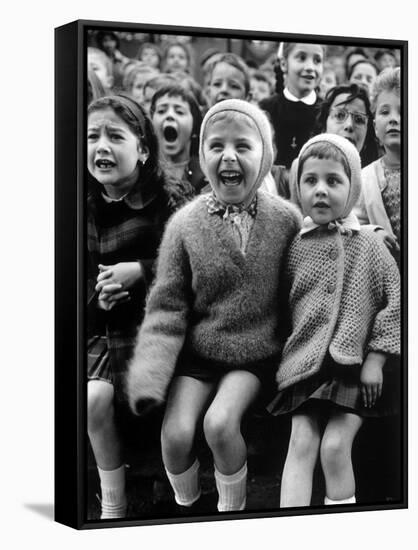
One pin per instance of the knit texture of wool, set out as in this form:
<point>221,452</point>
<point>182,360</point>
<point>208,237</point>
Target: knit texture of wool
<point>344,298</point>
<point>209,297</point>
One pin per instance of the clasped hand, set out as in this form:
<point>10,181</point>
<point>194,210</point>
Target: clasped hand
<point>114,282</point>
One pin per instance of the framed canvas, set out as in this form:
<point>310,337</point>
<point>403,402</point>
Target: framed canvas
<point>114,468</point>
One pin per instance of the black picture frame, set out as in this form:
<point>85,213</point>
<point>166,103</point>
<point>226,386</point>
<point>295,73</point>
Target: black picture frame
<point>71,447</point>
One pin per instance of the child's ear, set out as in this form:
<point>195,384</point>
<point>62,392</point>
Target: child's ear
<point>283,65</point>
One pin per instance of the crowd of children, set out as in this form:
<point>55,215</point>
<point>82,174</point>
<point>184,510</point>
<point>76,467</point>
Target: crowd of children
<point>208,287</point>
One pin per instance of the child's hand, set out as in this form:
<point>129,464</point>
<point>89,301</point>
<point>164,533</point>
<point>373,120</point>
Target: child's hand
<point>126,274</point>
<point>389,240</point>
<point>371,378</point>
<point>111,295</point>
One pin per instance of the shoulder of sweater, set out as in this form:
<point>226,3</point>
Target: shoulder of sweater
<point>288,211</point>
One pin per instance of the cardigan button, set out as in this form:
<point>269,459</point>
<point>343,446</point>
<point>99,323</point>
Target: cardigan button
<point>333,254</point>
<point>331,288</point>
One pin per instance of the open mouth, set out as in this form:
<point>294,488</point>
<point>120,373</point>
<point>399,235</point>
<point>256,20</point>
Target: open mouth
<point>393,132</point>
<point>230,178</point>
<point>321,205</point>
<point>308,76</point>
<point>170,134</point>
<point>104,164</point>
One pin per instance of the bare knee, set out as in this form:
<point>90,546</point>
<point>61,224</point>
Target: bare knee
<point>177,436</point>
<point>304,440</point>
<point>220,429</point>
<point>99,404</point>
<point>334,452</point>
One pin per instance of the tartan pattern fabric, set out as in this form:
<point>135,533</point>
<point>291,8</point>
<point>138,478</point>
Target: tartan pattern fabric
<point>119,232</point>
<point>339,385</point>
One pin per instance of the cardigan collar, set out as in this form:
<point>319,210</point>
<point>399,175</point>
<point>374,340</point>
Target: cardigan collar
<point>137,198</point>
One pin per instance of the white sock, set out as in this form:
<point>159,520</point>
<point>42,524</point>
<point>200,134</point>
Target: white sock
<point>112,483</point>
<point>232,490</point>
<point>351,500</point>
<point>186,485</point>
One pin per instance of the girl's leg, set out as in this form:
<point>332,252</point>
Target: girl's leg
<point>222,427</point>
<point>187,399</point>
<point>336,462</point>
<point>296,486</point>
<point>107,448</point>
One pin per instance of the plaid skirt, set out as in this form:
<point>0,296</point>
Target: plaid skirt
<point>107,359</point>
<point>339,385</point>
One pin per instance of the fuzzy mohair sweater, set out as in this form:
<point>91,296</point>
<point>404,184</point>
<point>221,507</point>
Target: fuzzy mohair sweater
<point>344,298</point>
<point>207,296</point>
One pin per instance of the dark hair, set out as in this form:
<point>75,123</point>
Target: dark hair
<point>134,116</point>
<point>235,61</point>
<point>100,36</point>
<point>381,53</point>
<point>369,151</point>
<point>367,61</point>
<point>177,90</point>
<point>284,50</point>
<point>350,53</point>
<point>323,150</point>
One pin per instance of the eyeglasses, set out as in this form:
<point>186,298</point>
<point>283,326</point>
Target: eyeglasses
<point>340,115</point>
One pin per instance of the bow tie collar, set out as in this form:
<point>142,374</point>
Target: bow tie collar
<point>345,226</point>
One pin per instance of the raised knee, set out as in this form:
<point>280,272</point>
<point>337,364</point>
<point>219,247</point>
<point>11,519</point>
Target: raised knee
<point>219,429</point>
<point>99,405</point>
<point>177,438</point>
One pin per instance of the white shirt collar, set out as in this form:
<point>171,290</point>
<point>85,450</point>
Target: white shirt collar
<point>308,100</point>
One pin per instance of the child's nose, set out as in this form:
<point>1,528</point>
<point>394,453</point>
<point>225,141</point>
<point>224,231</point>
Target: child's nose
<point>229,154</point>
<point>320,188</point>
<point>103,144</point>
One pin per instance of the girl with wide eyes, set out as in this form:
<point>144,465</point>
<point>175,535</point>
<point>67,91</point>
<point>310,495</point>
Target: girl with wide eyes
<point>339,364</point>
<point>380,199</point>
<point>292,108</point>
<point>127,206</point>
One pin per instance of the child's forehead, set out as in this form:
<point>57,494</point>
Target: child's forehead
<point>307,48</point>
<point>172,100</point>
<point>223,68</point>
<point>106,117</point>
<point>232,121</point>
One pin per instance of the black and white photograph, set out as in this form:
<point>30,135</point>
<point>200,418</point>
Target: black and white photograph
<point>243,247</point>
<point>208,291</point>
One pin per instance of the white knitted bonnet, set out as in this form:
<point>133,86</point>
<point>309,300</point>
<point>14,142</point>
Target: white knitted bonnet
<point>262,124</point>
<point>352,156</point>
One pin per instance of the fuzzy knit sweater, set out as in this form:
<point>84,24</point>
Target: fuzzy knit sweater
<point>210,298</point>
<point>344,298</point>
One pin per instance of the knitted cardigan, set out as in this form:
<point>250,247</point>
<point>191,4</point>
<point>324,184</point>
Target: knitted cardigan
<point>344,299</point>
<point>210,298</point>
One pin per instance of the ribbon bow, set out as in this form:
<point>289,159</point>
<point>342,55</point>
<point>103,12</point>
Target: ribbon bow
<point>345,226</point>
<point>217,207</point>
